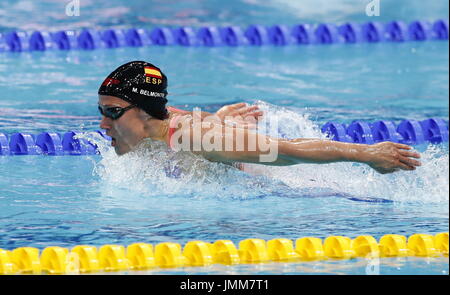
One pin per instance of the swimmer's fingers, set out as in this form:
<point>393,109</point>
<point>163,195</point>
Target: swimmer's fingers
<point>254,117</point>
<point>230,110</point>
<point>410,162</point>
<point>252,111</point>
<point>405,166</point>
<point>237,105</point>
<point>409,154</point>
<point>234,106</point>
<point>402,146</point>
<point>256,114</point>
<point>409,157</point>
<point>245,111</point>
<point>241,115</point>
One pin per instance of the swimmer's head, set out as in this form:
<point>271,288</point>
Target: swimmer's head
<point>141,84</point>
<point>132,101</point>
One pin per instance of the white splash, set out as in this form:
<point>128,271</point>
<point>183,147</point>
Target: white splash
<point>153,169</point>
<point>428,183</point>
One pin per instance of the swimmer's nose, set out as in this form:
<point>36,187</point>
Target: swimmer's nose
<point>105,123</point>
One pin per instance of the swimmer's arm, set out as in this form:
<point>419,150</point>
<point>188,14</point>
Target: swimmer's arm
<point>384,157</point>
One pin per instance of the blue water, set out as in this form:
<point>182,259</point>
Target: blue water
<point>96,200</point>
<point>51,14</point>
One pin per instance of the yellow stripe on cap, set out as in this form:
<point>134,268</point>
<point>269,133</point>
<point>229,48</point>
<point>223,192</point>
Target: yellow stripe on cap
<point>153,72</point>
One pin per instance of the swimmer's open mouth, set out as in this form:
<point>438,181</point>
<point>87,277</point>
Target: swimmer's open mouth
<point>113,141</point>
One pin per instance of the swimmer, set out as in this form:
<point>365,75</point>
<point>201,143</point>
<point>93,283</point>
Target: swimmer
<point>132,102</point>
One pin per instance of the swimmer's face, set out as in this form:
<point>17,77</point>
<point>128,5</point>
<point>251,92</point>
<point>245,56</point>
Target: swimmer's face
<point>128,130</point>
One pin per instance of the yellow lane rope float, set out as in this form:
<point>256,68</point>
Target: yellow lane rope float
<point>142,256</point>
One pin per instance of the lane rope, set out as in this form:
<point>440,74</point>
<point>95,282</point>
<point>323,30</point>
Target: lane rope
<point>143,256</point>
<point>233,36</point>
<point>411,132</point>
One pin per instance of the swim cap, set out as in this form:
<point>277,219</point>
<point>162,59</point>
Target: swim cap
<point>140,83</point>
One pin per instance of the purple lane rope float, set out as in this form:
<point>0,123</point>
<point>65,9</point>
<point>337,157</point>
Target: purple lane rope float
<point>233,36</point>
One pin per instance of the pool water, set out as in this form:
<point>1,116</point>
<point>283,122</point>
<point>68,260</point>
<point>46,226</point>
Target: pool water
<point>105,199</point>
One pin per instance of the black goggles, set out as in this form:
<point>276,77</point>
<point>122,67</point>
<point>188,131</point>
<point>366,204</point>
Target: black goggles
<point>114,112</point>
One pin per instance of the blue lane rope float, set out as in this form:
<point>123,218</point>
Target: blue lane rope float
<point>233,36</point>
<point>47,143</point>
<point>411,132</point>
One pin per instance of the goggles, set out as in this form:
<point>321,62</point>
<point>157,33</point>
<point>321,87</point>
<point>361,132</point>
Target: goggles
<point>114,113</point>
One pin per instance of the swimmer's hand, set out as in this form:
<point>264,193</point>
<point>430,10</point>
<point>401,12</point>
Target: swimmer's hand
<point>240,115</point>
<point>387,157</point>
